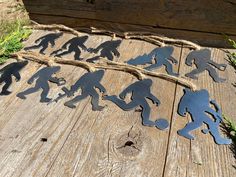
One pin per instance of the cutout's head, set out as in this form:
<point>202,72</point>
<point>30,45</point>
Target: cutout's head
<point>55,69</point>
<point>201,54</point>
<point>21,64</point>
<point>147,82</point>
<point>59,34</point>
<point>165,51</point>
<point>83,38</point>
<point>116,43</point>
<point>99,73</point>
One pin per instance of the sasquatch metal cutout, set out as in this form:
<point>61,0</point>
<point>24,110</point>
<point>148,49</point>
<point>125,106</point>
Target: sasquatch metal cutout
<point>87,83</point>
<point>197,104</point>
<point>202,60</point>
<point>162,57</point>
<point>44,41</point>
<point>43,77</point>
<point>73,45</point>
<point>141,90</point>
<point>7,72</point>
<point>107,50</point>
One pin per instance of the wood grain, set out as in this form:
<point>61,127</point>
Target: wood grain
<point>202,157</point>
<point>163,17</point>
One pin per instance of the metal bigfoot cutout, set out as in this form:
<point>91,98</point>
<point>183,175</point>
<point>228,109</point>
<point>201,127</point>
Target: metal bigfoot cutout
<point>196,103</point>
<point>42,78</point>
<point>73,45</point>
<point>87,83</point>
<point>162,57</point>
<point>140,91</point>
<point>43,42</point>
<point>107,49</point>
<point>7,72</point>
<point>202,60</point>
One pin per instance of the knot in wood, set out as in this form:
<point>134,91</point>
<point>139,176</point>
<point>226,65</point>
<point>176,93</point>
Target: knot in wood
<point>130,145</point>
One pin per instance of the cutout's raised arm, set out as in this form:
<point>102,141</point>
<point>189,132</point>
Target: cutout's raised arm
<point>154,99</point>
<point>100,87</point>
<point>182,108</point>
<point>173,60</point>
<point>35,76</point>
<point>40,39</point>
<point>127,90</point>
<point>17,76</point>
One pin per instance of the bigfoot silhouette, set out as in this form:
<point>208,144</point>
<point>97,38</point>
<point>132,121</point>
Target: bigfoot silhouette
<point>87,83</point>
<point>196,103</point>
<point>44,41</point>
<point>140,91</point>
<point>42,77</point>
<point>107,48</point>
<point>162,56</point>
<point>202,60</point>
<point>7,72</point>
<point>73,45</point>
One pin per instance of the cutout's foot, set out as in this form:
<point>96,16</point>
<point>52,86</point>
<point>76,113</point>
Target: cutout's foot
<point>148,123</point>
<point>5,92</point>
<point>45,100</point>
<point>98,108</point>
<point>185,134</point>
<point>220,80</point>
<point>191,76</point>
<point>223,141</point>
<point>21,96</point>
<point>70,105</point>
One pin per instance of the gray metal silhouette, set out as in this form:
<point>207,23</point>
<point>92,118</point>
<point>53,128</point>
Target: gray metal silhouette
<point>202,60</point>
<point>141,90</point>
<point>162,57</point>
<point>7,72</point>
<point>42,78</point>
<point>162,124</point>
<point>197,104</point>
<point>73,45</point>
<point>44,41</point>
<point>108,49</point>
<point>87,83</point>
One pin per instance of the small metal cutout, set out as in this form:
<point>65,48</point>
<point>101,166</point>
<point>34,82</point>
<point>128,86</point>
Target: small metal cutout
<point>87,83</point>
<point>202,60</point>
<point>161,56</point>
<point>73,45</point>
<point>141,90</point>
<point>197,104</point>
<point>44,41</point>
<point>42,77</point>
<point>7,72</point>
<point>107,50</point>
<point>162,124</point>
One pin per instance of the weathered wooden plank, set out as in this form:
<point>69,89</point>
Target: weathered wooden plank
<point>202,157</point>
<point>96,145</point>
<point>165,18</point>
<point>26,122</point>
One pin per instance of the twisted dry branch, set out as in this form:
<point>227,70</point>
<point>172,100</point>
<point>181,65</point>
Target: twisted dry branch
<point>103,64</point>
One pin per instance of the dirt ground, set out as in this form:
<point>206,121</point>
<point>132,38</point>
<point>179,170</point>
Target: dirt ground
<point>11,10</point>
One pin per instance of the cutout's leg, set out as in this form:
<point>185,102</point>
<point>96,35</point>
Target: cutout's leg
<point>194,72</point>
<point>63,53</point>
<point>6,86</point>
<point>27,92</point>
<point>169,69</point>
<point>154,66</point>
<point>91,60</point>
<point>122,104</point>
<point>188,128</point>
<point>95,100</point>
<point>77,54</point>
<point>146,114</point>
<point>71,103</point>
<point>214,131</point>
<point>214,74</point>
<point>32,47</point>
<point>44,47</point>
<point>44,93</point>
<point>108,55</point>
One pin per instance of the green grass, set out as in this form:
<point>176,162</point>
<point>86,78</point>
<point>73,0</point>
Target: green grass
<point>232,55</point>
<point>12,35</point>
<point>230,128</point>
